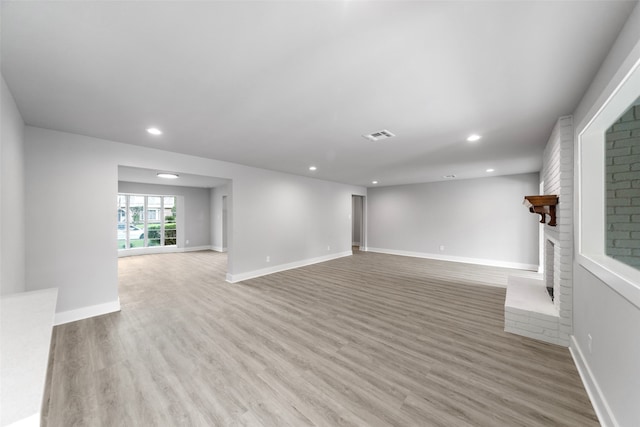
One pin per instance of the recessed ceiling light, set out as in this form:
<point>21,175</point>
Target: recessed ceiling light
<point>448,176</point>
<point>154,131</point>
<point>313,168</point>
<point>374,182</point>
<point>473,138</point>
<point>167,175</point>
<point>491,170</point>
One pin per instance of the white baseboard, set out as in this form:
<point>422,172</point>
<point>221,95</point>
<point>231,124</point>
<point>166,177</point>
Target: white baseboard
<point>600,405</point>
<point>148,251</point>
<point>196,248</point>
<point>234,278</point>
<point>160,250</point>
<point>479,261</point>
<point>86,312</point>
<point>218,249</point>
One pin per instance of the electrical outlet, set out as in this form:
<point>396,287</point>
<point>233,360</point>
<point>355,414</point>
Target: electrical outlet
<point>186,242</point>
<point>328,247</point>
<point>441,248</point>
<point>268,258</point>
<point>589,342</point>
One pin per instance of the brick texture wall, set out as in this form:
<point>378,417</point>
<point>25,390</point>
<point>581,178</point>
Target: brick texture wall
<point>529,311</point>
<point>557,173</point>
<point>623,188</point>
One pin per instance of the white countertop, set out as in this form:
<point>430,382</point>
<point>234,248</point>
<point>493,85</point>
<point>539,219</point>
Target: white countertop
<point>26,322</point>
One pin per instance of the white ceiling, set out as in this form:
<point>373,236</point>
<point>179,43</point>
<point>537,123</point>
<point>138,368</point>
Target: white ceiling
<point>150,176</point>
<point>284,85</point>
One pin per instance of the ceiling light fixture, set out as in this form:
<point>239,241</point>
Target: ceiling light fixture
<point>491,170</point>
<point>313,168</point>
<point>167,175</point>
<point>374,182</point>
<point>473,138</point>
<point>154,131</point>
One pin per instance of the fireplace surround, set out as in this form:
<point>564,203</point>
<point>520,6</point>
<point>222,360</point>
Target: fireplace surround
<point>529,309</point>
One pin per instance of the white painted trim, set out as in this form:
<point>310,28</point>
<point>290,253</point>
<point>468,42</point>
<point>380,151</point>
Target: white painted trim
<point>591,254</point>
<point>196,248</point>
<point>234,278</point>
<point>218,249</point>
<point>479,261</point>
<point>598,401</point>
<point>86,312</point>
<point>160,250</point>
<point>148,250</point>
<point>616,275</point>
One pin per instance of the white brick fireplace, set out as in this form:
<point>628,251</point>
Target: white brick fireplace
<point>529,310</point>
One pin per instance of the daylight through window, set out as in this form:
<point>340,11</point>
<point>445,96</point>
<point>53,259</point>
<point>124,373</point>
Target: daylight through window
<point>146,220</point>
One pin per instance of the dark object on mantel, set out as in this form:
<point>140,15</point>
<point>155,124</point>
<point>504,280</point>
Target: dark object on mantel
<point>543,205</point>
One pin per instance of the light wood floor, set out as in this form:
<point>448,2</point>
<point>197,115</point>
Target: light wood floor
<point>365,340</point>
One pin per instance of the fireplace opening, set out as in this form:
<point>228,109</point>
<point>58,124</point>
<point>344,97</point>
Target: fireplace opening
<point>549,262</point>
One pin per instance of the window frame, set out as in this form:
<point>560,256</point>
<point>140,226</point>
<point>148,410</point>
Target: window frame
<point>591,192</point>
<point>160,219</point>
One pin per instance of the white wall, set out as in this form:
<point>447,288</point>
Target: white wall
<point>612,368</point>
<point>290,218</point>
<point>476,220</point>
<point>71,190</point>
<point>195,213</point>
<point>217,213</point>
<point>12,224</point>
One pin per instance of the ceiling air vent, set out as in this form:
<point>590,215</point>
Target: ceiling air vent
<point>380,135</point>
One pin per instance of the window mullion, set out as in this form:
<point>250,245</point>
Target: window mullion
<point>145,216</point>
<point>161,217</point>
<point>126,222</point>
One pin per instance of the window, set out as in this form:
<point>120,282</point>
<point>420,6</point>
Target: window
<point>169,205</point>
<point>603,248</point>
<point>156,228</point>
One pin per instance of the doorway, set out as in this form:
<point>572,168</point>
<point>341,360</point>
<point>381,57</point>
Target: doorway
<point>204,207</point>
<point>224,223</point>
<point>357,223</point>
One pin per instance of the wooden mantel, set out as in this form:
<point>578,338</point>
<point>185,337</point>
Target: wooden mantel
<point>543,205</point>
